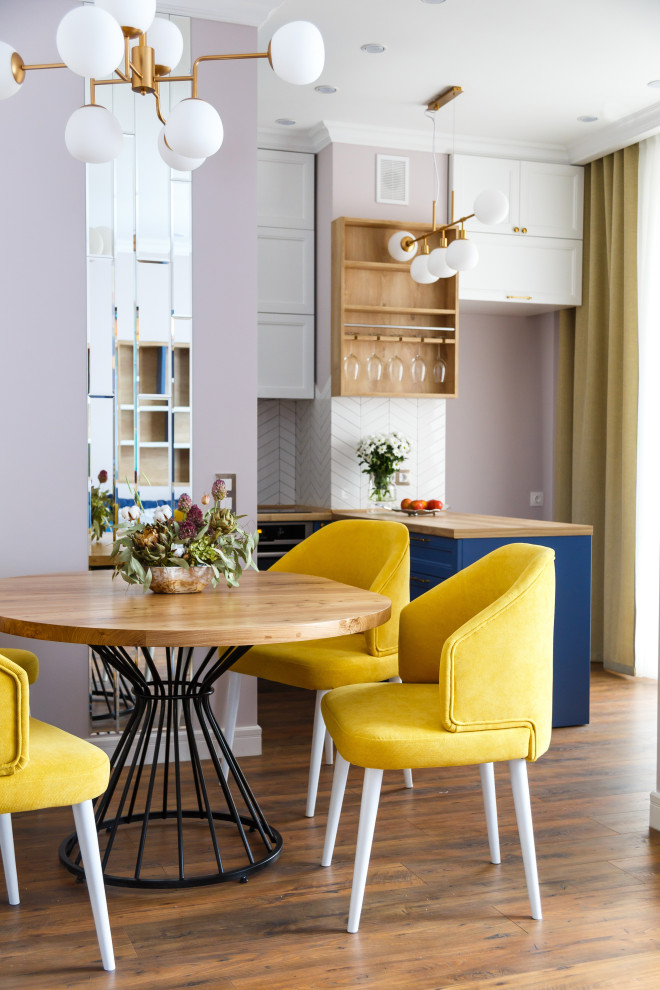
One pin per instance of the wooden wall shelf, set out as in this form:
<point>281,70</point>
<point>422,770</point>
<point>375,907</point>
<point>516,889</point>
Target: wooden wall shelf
<point>382,319</point>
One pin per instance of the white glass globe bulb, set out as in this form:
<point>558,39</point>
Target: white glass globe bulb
<point>179,162</point>
<point>419,270</point>
<point>437,264</point>
<point>167,42</point>
<point>462,255</point>
<point>137,14</point>
<point>93,135</point>
<point>8,84</point>
<point>297,53</point>
<point>90,41</point>
<point>491,206</point>
<point>394,246</point>
<point>194,129</point>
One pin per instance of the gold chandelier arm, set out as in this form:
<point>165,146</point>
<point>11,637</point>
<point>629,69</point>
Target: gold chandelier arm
<point>219,58</point>
<point>44,65</point>
<point>157,98</point>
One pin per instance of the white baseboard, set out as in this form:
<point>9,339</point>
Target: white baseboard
<point>654,815</point>
<point>247,742</point>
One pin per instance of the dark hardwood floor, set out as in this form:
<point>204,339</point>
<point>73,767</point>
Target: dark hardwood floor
<point>437,914</point>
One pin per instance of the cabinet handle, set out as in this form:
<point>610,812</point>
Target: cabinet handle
<point>421,580</point>
<point>516,230</point>
<point>519,297</point>
<point>420,539</point>
<point>524,230</point>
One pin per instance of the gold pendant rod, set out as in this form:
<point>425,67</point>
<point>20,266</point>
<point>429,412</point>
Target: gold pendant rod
<point>407,242</point>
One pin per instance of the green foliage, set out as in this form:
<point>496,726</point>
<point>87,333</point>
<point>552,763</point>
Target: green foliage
<point>101,511</point>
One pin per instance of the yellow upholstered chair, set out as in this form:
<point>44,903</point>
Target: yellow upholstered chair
<point>43,767</point>
<point>25,659</point>
<point>475,658</point>
<point>370,554</point>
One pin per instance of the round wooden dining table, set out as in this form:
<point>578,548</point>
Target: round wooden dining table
<point>152,783</point>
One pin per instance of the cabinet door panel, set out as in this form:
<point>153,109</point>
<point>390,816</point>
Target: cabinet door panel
<point>471,175</point>
<point>285,368</point>
<point>285,189</point>
<point>285,270</point>
<point>524,269</point>
<point>551,198</point>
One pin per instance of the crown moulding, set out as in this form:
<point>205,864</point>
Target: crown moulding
<point>250,12</point>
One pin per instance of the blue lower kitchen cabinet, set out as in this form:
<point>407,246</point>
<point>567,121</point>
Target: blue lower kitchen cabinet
<point>435,558</point>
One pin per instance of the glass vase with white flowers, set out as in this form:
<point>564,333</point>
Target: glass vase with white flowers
<point>207,540</point>
<point>382,454</point>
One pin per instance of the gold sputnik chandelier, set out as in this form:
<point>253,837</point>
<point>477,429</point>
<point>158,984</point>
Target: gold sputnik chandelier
<point>100,40</point>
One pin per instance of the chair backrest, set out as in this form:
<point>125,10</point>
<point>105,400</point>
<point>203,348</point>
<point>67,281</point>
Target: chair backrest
<point>366,553</point>
<point>486,635</point>
<point>14,717</point>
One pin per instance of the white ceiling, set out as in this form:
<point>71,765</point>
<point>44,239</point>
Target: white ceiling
<point>528,70</point>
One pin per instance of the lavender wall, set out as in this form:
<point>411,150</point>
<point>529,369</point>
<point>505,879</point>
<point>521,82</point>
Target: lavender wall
<point>224,370</point>
<point>499,429</point>
<point>43,405</point>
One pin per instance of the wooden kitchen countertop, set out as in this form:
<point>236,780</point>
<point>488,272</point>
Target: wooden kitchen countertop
<point>465,526</point>
<point>293,513</point>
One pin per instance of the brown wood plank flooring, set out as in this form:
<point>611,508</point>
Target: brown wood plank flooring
<point>437,914</point>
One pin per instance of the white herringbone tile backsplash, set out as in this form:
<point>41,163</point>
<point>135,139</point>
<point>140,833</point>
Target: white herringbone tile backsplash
<point>307,447</point>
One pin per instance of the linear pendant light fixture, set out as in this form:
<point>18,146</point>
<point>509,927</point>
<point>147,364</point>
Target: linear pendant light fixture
<point>95,41</point>
<point>490,207</point>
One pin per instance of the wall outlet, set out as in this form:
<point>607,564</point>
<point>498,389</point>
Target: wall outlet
<point>536,498</point>
<point>402,478</point>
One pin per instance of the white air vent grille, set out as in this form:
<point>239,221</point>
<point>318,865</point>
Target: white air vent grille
<point>392,179</point>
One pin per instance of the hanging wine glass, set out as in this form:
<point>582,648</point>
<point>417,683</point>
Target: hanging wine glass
<point>374,367</point>
<point>439,368</point>
<point>395,369</point>
<point>351,367</point>
<point>418,368</point>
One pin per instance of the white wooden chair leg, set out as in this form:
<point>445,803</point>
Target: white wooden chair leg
<point>329,749</point>
<point>334,811</point>
<point>487,774</point>
<point>318,742</point>
<point>368,812</point>
<point>407,774</point>
<point>230,712</point>
<point>9,859</point>
<point>520,787</point>
<point>88,841</point>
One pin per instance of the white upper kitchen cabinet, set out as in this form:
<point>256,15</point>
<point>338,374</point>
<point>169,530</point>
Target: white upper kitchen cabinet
<point>545,198</point>
<point>285,275</point>
<point>532,261</point>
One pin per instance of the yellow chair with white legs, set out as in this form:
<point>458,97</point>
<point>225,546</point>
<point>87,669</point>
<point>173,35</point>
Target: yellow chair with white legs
<point>43,767</point>
<point>372,554</point>
<point>25,659</point>
<point>475,658</point>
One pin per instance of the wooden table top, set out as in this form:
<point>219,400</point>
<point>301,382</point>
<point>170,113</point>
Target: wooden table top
<point>267,607</point>
<point>466,526</point>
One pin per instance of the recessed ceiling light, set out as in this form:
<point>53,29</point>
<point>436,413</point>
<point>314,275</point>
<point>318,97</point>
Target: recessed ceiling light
<point>587,118</point>
<point>655,83</point>
<point>285,121</point>
<point>326,89</point>
<point>373,48</point>
<point>433,1</point>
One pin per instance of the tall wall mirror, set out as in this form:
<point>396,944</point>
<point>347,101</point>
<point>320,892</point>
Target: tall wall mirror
<point>139,331</point>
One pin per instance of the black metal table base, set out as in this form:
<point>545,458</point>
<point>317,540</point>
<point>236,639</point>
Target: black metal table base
<point>149,778</point>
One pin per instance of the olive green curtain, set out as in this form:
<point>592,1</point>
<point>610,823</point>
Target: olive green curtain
<point>596,424</point>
